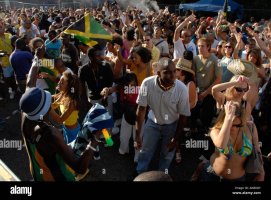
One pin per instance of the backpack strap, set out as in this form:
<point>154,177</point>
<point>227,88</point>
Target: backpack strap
<point>159,42</point>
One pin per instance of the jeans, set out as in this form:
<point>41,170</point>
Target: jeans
<point>152,133</point>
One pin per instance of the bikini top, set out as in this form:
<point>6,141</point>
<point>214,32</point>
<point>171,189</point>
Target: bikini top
<point>246,149</point>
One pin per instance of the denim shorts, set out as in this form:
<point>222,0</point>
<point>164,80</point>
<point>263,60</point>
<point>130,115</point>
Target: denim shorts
<point>70,135</point>
<point>208,175</point>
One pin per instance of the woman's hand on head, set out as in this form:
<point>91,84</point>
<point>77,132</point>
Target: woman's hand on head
<point>243,79</point>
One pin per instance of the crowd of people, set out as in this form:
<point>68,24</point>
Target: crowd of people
<point>161,78</point>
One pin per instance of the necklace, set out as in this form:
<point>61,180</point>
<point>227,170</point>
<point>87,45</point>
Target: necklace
<point>163,87</point>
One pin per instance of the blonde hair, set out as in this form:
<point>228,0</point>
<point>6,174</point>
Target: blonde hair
<point>229,91</point>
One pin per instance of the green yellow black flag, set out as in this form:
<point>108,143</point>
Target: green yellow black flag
<point>225,9</point>
<point>88,31</point>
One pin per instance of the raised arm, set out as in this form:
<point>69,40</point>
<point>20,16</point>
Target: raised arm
<point>181,26</point>
<point>221,137</point>
<point>239,45</point>
<point>260,43</point>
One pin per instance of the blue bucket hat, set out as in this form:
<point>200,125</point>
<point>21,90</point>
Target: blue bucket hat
<point>35,103</point>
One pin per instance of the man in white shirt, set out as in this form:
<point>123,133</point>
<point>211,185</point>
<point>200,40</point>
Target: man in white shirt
<point>160,43</point>
<point>29,29</point>
<point>184,42</point>
<point>169,106</point>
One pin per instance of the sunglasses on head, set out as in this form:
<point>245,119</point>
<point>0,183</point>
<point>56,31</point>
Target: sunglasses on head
<point>238,89</point>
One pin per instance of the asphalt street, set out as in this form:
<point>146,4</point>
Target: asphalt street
<point>111,167</point>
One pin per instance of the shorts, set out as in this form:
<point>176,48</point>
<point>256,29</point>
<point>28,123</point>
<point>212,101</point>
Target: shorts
<point>8,71</point>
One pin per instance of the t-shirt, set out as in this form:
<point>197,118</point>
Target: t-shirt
<point>21,62</point>
<point>179,48</point>
<point>226,74</point>
<point>155,53</point>
<point>141,75</point>
<point>53,49</point>
<point>165,106</point>
<point>206,73</point>
<point>5,45</point>
<point>96,81</point>
<point>162,46</point>
<point>32,34</point>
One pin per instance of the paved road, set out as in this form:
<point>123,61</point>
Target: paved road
<point>111,167</point>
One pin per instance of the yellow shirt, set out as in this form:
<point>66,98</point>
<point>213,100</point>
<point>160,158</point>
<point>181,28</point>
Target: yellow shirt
<point>5,45</point>
<point>141,75</point>
<point>72,119</point>
<point>155,53</point>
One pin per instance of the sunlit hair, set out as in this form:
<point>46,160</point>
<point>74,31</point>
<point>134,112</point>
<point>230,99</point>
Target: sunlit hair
<point>229,91</point>
<point>73,92</point>
<point>206,41</point>
<point>239,113</point>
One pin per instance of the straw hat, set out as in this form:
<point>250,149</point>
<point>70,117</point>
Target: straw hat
<point>185,65</point>
<point>244,67</point>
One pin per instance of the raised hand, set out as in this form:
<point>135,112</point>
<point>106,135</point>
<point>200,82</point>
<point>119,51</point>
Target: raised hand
<point>230,109</point>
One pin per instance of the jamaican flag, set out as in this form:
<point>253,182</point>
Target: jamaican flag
<point>225,10</point>
<point>89,31</point>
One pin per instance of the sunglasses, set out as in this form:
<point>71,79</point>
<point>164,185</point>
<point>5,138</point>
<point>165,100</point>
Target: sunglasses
<point>237,125</point>
<point>228,47</point>
<point>220,46</point>
<point>238,89</point>
<point>147,40</point>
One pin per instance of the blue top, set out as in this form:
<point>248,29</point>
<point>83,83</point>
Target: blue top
<point>226,74</point>
<point>53,49</point>
<point>21,62</point>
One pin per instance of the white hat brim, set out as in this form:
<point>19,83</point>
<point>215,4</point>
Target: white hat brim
<point>44,110</point>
